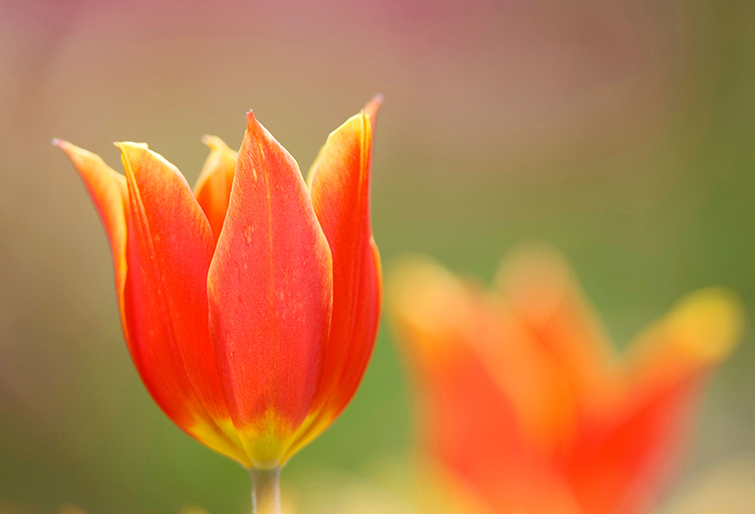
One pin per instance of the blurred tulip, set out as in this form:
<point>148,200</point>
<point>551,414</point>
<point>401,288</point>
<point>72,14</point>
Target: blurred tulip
<point>524,406</point>
<point>249,306</point>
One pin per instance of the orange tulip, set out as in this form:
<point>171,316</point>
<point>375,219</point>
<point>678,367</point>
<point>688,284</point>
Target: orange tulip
<point>525,406</point>
<point>250,305</point>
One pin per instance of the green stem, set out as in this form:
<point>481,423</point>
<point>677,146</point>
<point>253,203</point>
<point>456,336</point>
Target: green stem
<point>266,492</point>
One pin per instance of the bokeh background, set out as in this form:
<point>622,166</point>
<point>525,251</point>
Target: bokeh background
<point>621,132</point>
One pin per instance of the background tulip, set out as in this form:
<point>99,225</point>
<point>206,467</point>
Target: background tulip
<point>524,403</point>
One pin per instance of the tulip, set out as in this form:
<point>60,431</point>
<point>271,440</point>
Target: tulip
<point>249,305</point>
<point>525,406</point>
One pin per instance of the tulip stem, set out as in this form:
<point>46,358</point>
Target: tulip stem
<point>266,491</point>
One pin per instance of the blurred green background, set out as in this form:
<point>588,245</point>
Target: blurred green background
<point>621,132</point>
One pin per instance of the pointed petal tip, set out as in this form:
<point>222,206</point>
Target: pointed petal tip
<point>252,124</point>
<point>531,259</point>
<point>72,151</point>
<point>537,277</point>
<point>373,106</point>
<point>377,100</point>
<point>417,287</point>
<point>64,145</point>
<point>215,143</point>
<point>68,148</point>
<point>137,157</point>
<point>708,324</point>
<point>257,131</point>
<point>131,151</point>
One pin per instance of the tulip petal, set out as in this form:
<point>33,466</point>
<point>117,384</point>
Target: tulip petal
<point>270,292</point>
<point>436,315</point>
<point>371,109</point>
<point>108,191</point>
<point>169,250</point>
<point>624,457</point>
<point>468,422</point>
<point>340,194</point>
<point>213,187</point>
<point>536,385</point>
<point>549,302</point>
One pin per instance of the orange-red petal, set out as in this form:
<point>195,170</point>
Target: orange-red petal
<point>169,249</point>
<point>468,423</point>
<point>213,187</point>
<point>626,455</point>
<point>270,292</point>
<point>341,199</point>
<point>108,191</point>
<point>340,194</point>
<point>549,303</point>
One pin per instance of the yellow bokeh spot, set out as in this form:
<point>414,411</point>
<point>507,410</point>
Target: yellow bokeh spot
<point>707,324</point>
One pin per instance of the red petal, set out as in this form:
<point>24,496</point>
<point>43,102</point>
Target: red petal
<point>468,423</point>
<point>169,250</point>
<point>213,188</point>
<point>270,289</point>
<point>108,191</point>
<point>340,194</point>
<point>626,456</point>
<point>549,301</point>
